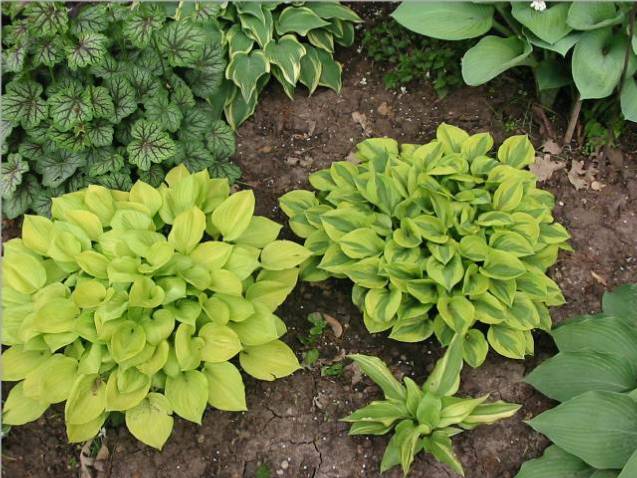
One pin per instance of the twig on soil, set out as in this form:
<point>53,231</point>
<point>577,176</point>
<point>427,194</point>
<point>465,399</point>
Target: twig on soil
<point>548,126</point>
<point>572,122</point>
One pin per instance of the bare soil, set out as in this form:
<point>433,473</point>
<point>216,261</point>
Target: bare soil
<point>292,425</point>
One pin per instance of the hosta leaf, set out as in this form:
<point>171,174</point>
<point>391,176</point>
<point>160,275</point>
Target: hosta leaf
<point>286,53</point>
<point>101,102</point>
<point>47,51</point>
<point>334,10</point>
<point>123,96</point>
<point>548,25</point>
<point>23,104</point>
<point>220,140</point>
<point>46,18</point>
<point>322,39</point>
<point>445,20</point>
<point>70,107</point>
<point>491,56</point>
<point>150,421</point>
<point>149,145</point>
<point>572,427</point>
<point>12,169</point>
<point>89,50</point>
<point>139,25</point>
<point>182,42</point>
<point>163,112</point>
<point>555,462</point>
<point>299,20</point>
<point>245,69</point>
<point>91,18</point>
<point>330,71</point>
<point>598,62</point>
<point>311,68</point>
<point>57,168</point>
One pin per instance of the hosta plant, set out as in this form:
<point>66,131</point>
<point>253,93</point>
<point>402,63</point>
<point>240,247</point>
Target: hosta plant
<point>440,238</point>
<point>594,376</point>
<point>136,302</point>
<point>423,418</point>
<point>294,43</point>
<point>103,93</point>
<point>589,45</point>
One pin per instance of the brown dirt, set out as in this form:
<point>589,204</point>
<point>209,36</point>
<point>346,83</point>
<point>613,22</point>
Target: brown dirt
<point>292,424</point>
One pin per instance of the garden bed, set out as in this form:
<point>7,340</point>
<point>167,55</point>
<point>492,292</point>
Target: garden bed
<point>292,424</point>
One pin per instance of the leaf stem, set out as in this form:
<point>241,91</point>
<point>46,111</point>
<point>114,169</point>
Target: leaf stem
<point>504,13</point>
<point>499,27</point>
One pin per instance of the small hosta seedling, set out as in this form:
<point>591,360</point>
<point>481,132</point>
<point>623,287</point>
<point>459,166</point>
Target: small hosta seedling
<point>437,238</point>
<point>136,302</point>
<point>423,418</point>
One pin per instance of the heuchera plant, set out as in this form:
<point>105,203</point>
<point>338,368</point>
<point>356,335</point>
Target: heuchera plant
<point>437,239</point>
<point>594,377</point>
<point>104,93</point>
<point>136,303</point>
<point>423,418</point>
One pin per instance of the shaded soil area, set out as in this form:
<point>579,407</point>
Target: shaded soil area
<point>292,425</point>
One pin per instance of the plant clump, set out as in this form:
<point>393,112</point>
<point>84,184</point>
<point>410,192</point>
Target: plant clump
<point>104,93</point>
<point>423,418</point>
<point>438,239</point>
<point>136,302</point>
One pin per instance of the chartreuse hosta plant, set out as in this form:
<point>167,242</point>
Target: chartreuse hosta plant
<point>104,93</point>
<point>601,36</point>
<point>437,239</point>
<point>292,42</point>
<point>594,375</point>
<point>136,303</point>
<point>423,418</point>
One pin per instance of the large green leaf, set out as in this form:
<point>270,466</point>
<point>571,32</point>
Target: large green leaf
<point>123,96</point>
<point>593,15</point>
<point>90,18</point>
<point>548,25</point>
<point>621,302</point>
<point>573,427</point>
<point>150,144</point>
<point>570,374</point>
<point>445,20</point>
<point>70,107</point>
<point>491,56</point>
<point>47,18</point>
<point>598,62</point>
<point>182,42</point>
<point>628,99</point>
<point>140,24</point>
<point>555,463</point>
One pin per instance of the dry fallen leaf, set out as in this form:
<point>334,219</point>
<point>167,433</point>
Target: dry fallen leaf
<point>336,326</point>
<point>265,149</point>
<point>544,167</point>
<point>385,110</point>
<point>94,467</point>
<point>583,178</point>
<point>551,147</point>
<point>361,119</point>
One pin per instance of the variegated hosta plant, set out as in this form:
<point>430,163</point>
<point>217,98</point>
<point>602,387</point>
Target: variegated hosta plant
<point>136,303</point>
<point>423,418</point>
<point>293,43</point>
<point>440,238</point>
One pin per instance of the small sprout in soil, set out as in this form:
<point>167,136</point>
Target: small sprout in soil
<point>310,357</point>
<point>319,324</point>
<point>335,370</point>
<point>263,471</point>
